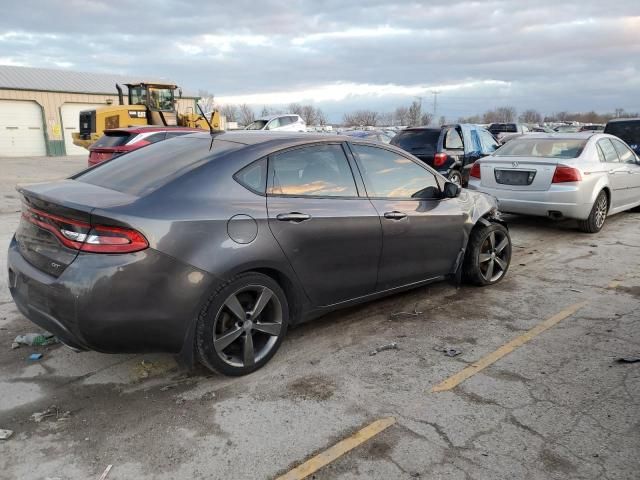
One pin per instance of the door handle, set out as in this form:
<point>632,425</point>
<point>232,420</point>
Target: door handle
<point>295,217</point>
<point>395,215</point>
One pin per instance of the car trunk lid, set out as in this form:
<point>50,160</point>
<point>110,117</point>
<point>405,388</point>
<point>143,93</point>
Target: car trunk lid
<point>53,217</point>
<point>518,173</point>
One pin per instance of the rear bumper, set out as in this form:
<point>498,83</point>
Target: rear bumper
<point>565,200</point>
<point>140,302</point>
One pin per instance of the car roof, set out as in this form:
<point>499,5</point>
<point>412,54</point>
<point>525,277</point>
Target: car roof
<point>255,137</point>
<point>560,135</point>
<point>436,129</point>
<point>616,120</point>
<point>154,128</point>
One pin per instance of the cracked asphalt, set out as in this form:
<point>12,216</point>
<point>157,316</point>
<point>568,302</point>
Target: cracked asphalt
<point>558,407</point>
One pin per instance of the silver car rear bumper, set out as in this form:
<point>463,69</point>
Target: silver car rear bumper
<point>565,200</point>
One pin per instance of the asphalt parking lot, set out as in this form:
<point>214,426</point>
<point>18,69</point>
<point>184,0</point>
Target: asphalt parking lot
<point>547,403</point>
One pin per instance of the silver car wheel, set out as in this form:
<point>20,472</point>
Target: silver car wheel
<point>247,326</point>
<point>601,211</point>
<point>494,256</point>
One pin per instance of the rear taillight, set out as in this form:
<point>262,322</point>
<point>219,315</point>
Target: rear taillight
<point>439,159</point>
<point>565,174</point>
<point>82,236</point>
<point>475,170</point>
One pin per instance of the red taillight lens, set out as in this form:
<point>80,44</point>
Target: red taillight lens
<point>565,174</point>
<point>475,170</point>
<point>82,236</point>
<point>439,159</point>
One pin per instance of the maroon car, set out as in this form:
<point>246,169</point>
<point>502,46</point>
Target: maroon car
<point>118,141</point>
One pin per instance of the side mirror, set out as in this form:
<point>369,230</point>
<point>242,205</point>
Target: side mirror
<point>451,190</point>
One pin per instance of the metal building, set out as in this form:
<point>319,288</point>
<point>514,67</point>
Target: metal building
<point>39,108</point>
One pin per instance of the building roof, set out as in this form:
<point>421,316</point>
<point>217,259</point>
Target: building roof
<point>53,80</point>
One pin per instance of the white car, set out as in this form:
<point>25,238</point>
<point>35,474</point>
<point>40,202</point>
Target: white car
<point>279,123</point>
<point>583,176</point>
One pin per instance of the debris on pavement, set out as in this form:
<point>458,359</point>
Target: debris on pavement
<point>106,472</point>
<point>575,290</point>
<point>168,387</point>
<point>36,339</point>
<point>382,348</point>
<point>52,411</point>
<point>35,356</point>
<point>448,351</point>
<point>15,345</point>
<point>415,313</point>
<point>5,434</point>
<point>628,360</point>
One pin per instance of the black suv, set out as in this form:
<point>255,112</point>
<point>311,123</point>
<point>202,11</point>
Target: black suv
<point>628,129</point>
<point>447,149</point>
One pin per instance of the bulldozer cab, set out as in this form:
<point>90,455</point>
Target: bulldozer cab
<point>159,100</point>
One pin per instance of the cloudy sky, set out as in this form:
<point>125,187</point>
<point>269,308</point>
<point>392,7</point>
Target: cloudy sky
<point>551,55</point>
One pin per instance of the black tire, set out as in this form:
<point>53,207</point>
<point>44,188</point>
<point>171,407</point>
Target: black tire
<point>597,216</point>
<point>218,320</point>
<point>492,266</point>
<point>455,177</point>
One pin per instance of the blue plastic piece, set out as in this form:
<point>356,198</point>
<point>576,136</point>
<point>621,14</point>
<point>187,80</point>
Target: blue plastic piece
<point>35,356</point>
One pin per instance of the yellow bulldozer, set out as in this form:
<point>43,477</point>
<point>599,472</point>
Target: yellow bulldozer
<point>149,104</point>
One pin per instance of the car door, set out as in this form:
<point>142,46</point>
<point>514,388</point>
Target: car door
<point>453,146</point>
<point>629,160</point>
<point>616,172</point>
<point>329,232</point>
<point>422,233</point>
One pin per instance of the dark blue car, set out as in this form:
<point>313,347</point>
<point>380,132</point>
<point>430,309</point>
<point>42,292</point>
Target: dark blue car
<point>449,148</point>
<point>627,129</point>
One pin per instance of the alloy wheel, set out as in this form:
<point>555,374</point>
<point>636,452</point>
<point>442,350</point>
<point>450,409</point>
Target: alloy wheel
<point>601,211</point>
<point>494,256</point>
<point>247,326</point>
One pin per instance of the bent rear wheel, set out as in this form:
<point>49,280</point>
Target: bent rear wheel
<point>488,255</point>
<point>597,216</point>
<point>243,325</point>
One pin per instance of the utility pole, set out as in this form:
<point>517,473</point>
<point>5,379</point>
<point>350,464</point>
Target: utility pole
<point>435,102</point>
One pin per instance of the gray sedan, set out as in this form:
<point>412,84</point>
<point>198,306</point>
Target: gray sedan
<point>581,176</point>
<point>211,245</point>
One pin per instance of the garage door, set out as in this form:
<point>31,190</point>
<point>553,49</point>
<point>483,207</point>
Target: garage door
<point>70,113</point>
<point>21,129</point>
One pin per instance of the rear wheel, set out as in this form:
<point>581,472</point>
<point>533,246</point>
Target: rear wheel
<point>597,216</point>
<point>488,254</point>
<point>243,325</point>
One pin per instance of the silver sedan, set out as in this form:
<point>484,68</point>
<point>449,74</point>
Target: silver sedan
<point>581,176</point>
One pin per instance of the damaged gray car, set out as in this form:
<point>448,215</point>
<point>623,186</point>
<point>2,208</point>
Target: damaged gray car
<point>210,246</point>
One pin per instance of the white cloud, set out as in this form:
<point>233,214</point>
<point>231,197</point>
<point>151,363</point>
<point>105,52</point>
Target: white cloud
<point>383,31</point>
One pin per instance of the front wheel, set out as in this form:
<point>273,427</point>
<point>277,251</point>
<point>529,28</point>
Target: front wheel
<point>243,325</point>
<point>597,216</point>
<point>488,254</point>
<point>455,177</point>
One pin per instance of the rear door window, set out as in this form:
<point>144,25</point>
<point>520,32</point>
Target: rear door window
<point>489,144</point>
<point>624,153</point>
<point>389,175</point>
<point>452,139</point>
<point>316,170</point>
<point>609,151</point>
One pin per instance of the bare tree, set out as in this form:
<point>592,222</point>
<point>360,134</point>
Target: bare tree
<point>206,101</point>
<point>308,114</point>
<point>415,114</point>
<point>441,121</point>
<point>295,108</point>
<point>530,116</point>
<point>506,114</point>
<point>321,118</point>
<point>401,116</point>
<point>246,114</point>
<point>230,112</point>
<point>386,119</point>
<point>361,118</point>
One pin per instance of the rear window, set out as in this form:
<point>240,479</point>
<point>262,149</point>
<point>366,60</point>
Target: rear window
<point>142,171</point>
<point>113,139</point>
<point>413,140</point>
<point>542,147</point>
<point>627,131</point>
<point>503,128</point>
<point>257,125</point>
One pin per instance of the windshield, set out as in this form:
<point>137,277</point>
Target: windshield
<point>161,99</point>
<point>144,170</point>
<point>414,140</point>
<point>542,147</point>
<point>137,96</point>
<point>257,125</point>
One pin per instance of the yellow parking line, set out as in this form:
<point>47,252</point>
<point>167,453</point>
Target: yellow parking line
<point>507,348</point>
<point>322,459</point>
<point>614,284</point>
